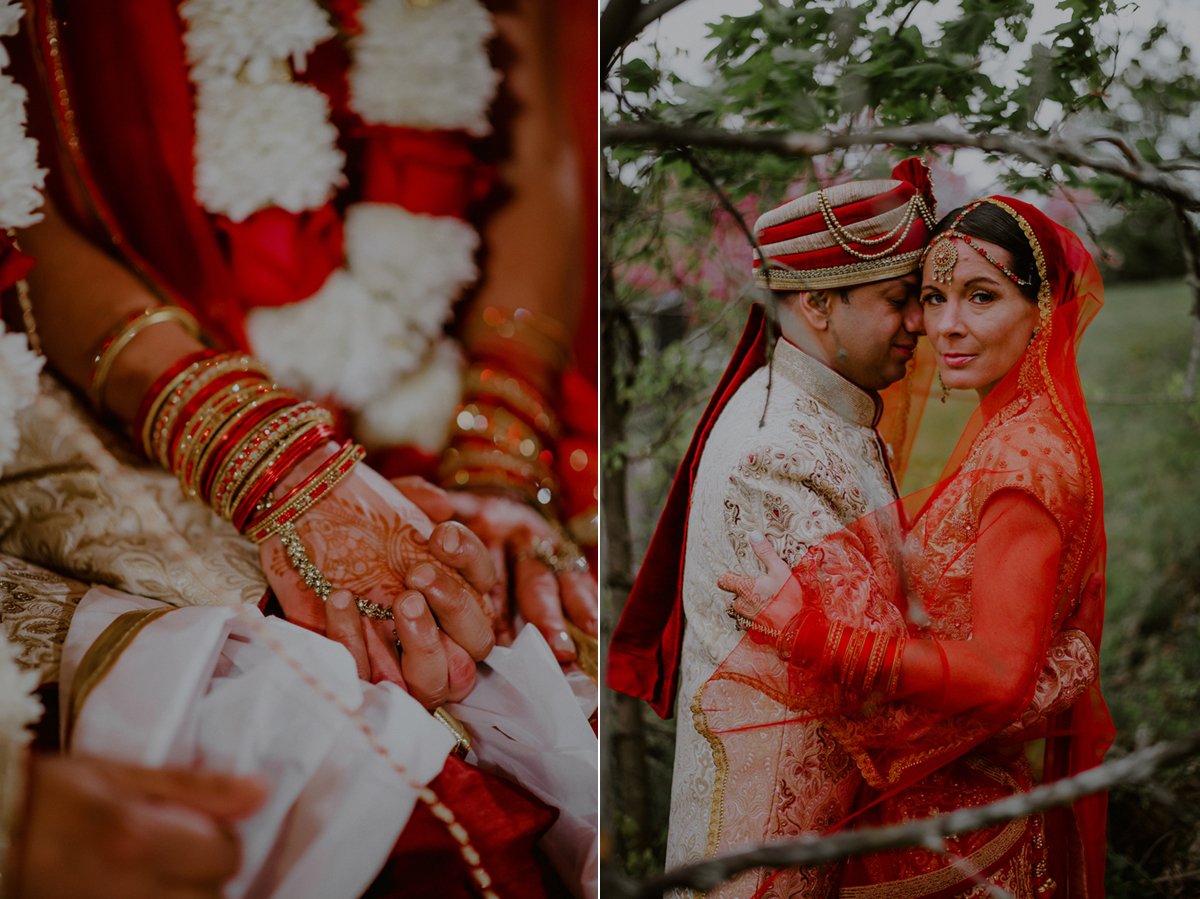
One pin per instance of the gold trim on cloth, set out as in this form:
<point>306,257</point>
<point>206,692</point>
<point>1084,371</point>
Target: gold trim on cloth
<point>977,863</point>
<point>837,195</point>
<point>824,384</point>
<point>587,652</point>
<point>100,658</point>
<point>721,765</point>
<point>841,275</point>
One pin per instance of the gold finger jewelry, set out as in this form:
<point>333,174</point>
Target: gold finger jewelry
<point>562,559</point>
<point>369,609</point>
<point>314,578</point>
<point>462,737</point>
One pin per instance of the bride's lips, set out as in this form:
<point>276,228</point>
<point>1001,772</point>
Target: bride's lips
<point>957,360</point>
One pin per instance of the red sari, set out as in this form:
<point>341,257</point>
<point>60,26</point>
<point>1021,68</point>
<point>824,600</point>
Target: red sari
<point>1030,439</point>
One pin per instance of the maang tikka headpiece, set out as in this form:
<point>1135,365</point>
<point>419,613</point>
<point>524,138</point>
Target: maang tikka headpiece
<point>944,254</point>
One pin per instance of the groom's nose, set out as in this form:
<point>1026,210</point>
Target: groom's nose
<point>914,317</point>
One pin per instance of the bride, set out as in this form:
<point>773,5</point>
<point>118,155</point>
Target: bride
<point>949,643</point>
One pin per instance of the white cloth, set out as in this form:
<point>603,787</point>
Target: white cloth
<point>198,687</point>
<point>526,724</point>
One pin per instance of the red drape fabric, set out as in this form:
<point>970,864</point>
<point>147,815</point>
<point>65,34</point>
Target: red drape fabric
<point>643,655</point>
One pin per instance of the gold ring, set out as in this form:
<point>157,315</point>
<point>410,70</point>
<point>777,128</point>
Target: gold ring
<point>561,559</point>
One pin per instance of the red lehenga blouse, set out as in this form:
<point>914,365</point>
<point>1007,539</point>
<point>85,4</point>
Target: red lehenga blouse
<point>1030,439</point>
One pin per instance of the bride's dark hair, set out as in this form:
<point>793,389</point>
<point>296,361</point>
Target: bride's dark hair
<point>990,223</point>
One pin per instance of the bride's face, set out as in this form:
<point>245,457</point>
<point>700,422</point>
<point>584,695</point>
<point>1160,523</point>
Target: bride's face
<point>980,323</point>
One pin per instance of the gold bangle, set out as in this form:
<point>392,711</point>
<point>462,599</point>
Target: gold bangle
<point>328,476</point>
<point>500,427</point>
<point>273,452</point>
<point>170,408</point>
<point>245,402</point>
<point>519,398</point>
<point>198,428</point>
<point>233,479</point>
<point>112,347</point>
<point>544,337</point>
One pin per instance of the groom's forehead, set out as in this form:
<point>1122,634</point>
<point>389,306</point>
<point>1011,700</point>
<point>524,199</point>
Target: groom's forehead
<point>899,288</point>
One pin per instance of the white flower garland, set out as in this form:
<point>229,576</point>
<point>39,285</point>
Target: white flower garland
<point>263,140</point>
<point>20,178</point>
<point>423,66</point>
<point>20,199</point>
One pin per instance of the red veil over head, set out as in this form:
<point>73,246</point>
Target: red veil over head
<point>908,570</point>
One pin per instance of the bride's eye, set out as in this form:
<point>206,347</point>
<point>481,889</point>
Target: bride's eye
<point>932,299</point>
<point>982,297</point>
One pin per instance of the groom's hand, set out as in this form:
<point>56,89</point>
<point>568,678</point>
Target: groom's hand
<point>754,593</point>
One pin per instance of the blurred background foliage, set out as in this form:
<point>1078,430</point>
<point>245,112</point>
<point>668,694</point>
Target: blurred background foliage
<point>676,291</point>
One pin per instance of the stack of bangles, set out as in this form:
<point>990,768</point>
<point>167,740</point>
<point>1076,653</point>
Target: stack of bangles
<point>504,438</point>
<point>230,435</point>
<point>858,660</point>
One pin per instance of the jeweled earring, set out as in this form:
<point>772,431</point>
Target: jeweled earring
<point>945,389</point>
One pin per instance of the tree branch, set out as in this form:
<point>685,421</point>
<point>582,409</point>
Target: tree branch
<point>651,11</point>
<point>1039,150</point>
<point>808,850</point>
<point>622,21</point>
<point>616,23</point>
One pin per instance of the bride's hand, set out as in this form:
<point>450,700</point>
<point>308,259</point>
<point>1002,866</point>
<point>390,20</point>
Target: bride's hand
<point>371,541</point>
<point>512,532</point>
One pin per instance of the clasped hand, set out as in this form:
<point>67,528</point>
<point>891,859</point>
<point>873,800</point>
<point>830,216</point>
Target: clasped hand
<point>371,541</point>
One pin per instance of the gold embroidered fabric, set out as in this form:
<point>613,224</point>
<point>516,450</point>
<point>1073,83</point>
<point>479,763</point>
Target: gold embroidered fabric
<point>814,467</point>
<point>74,501</point>
<point>35,609</point>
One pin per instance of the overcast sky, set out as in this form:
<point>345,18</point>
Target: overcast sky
<point>681,36</point>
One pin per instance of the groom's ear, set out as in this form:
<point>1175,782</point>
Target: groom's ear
<point>813,305</point>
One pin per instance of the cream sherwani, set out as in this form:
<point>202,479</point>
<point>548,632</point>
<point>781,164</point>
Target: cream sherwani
<point>814,466</point>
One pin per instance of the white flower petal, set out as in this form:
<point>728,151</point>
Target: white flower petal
<point>419,263</point>
<point>222,36</point>
<point>19,367</point>
<point>260,145</point>
<point>20,177</point>
<point>423,67</point>
<point>341,342</point>
<point>418,408</point>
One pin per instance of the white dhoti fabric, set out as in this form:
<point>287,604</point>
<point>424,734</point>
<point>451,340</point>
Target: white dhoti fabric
<point>199,688</point>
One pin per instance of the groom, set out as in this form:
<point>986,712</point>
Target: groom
<point>793,455</point>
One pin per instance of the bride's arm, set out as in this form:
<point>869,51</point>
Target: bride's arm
<point>991,675</point>
<point>1012,603</point>
<point>79,293</point>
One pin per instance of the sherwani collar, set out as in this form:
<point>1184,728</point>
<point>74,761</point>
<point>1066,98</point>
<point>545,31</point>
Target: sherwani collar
<point>847,399</point>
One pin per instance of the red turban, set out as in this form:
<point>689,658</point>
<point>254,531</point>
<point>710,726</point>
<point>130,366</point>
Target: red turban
<point>850,233</point>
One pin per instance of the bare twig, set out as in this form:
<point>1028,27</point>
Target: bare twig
<point>650,12</point>
<point>1044,151</point>
<point>904,21</point>
<point>806,851</point>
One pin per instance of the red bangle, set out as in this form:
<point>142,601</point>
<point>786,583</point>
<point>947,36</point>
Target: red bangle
<point>266,481</point>
<point>323,470</point>
<point>255,413</point>
<point>159,385</point>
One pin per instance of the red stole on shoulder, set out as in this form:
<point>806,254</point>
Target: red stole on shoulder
<point>643,656</point>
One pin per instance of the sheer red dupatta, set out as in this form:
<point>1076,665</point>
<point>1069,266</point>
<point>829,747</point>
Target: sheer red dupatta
<point>1031,435</point>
